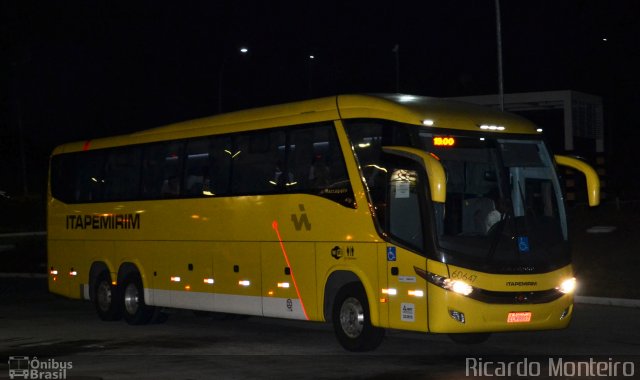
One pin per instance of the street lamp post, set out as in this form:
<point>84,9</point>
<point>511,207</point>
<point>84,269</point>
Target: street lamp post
<point>499,46</point>
<point>310,76</point>
<point>243,50</point>
<point>396,51</point>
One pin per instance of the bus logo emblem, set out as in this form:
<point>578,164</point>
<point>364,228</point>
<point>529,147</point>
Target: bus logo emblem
<point>302,220</point>
<point>336,252</point>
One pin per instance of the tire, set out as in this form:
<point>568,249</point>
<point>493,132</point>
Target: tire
<point>158,316</point>
<point>352,321</point>
<point>106,298</point>
<point>470,338</point>
<point>134,309</point>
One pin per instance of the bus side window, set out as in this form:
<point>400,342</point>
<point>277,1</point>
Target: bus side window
<point>89,176</point>
<point>315,159</point>
<point>222,154</point>
<point>197,179</point>
<point>258,165</point>
<point>122,174</point>
<point>405,221</point>
<point>162,170</point>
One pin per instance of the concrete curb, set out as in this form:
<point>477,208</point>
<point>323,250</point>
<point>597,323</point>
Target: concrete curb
<point>23,275</point>
<point>620,302</point>
<point>24,234</point>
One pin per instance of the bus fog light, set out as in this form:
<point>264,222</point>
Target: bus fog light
<point>568,286</point>
<point>457,315</point>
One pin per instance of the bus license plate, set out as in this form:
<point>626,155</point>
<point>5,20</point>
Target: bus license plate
<point>519,317</point>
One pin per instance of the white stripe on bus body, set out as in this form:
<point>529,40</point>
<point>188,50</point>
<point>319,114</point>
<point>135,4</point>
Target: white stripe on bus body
<point>226,303</point>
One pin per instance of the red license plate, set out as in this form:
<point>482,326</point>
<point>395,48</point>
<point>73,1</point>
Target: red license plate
<point>519,317</point>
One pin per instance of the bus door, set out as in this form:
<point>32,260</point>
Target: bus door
<point>406,293</point>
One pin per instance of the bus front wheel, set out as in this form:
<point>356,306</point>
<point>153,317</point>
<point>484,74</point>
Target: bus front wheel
<point>135,310</point>
<point>352,321</point>
<point>106,298</point>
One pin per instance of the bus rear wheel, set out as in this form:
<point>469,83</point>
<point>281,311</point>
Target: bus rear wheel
<point>352,321</point>
<point>135,310</point>
<point>106,298</point>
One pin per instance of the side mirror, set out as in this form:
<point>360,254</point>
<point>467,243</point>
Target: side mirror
<point>431,164</point>
<point>593,182</point>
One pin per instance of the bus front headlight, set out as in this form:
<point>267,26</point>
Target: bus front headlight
<point>568,286</point>
<point>458,286</point>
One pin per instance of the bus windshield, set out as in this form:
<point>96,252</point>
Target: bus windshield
<point>504,211</point>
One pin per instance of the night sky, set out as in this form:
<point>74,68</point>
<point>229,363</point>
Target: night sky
<point>80,70</point>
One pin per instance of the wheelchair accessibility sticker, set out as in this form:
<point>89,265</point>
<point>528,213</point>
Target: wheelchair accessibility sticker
<point>523,244</point>
<point>391,253</point>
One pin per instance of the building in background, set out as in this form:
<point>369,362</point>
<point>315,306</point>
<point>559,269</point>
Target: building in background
<point>572,122</point>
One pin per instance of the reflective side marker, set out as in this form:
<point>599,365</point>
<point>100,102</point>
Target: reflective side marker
<point>390,291</point>
<point>175,279</point>
<point>416,293</point>
<point>208,281</point>
<point>244,282</point>
<point>283,284</point>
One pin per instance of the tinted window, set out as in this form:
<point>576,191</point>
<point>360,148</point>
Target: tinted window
<point>258,163</point>
<point>78,177</point>
<point>222,154</point>
<point>197,173</point>
<point>162,174</point>
<point>305,159</point>
<point>316,165</point>
<point>122,174</point>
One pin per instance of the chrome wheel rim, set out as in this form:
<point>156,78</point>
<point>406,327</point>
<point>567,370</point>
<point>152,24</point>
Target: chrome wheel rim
<point>131,299</point>
<point>352,317</point>
<point>104,296</point>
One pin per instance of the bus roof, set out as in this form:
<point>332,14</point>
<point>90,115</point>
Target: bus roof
<point>410,109</point>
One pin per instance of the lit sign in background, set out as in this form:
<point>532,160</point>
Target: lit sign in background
<point>443,141</point>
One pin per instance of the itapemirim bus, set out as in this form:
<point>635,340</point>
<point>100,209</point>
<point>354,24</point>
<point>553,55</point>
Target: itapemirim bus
<point>369,211</point>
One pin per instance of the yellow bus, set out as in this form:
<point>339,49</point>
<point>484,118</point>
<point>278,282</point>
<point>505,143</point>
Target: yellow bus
<point>366,211</point>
